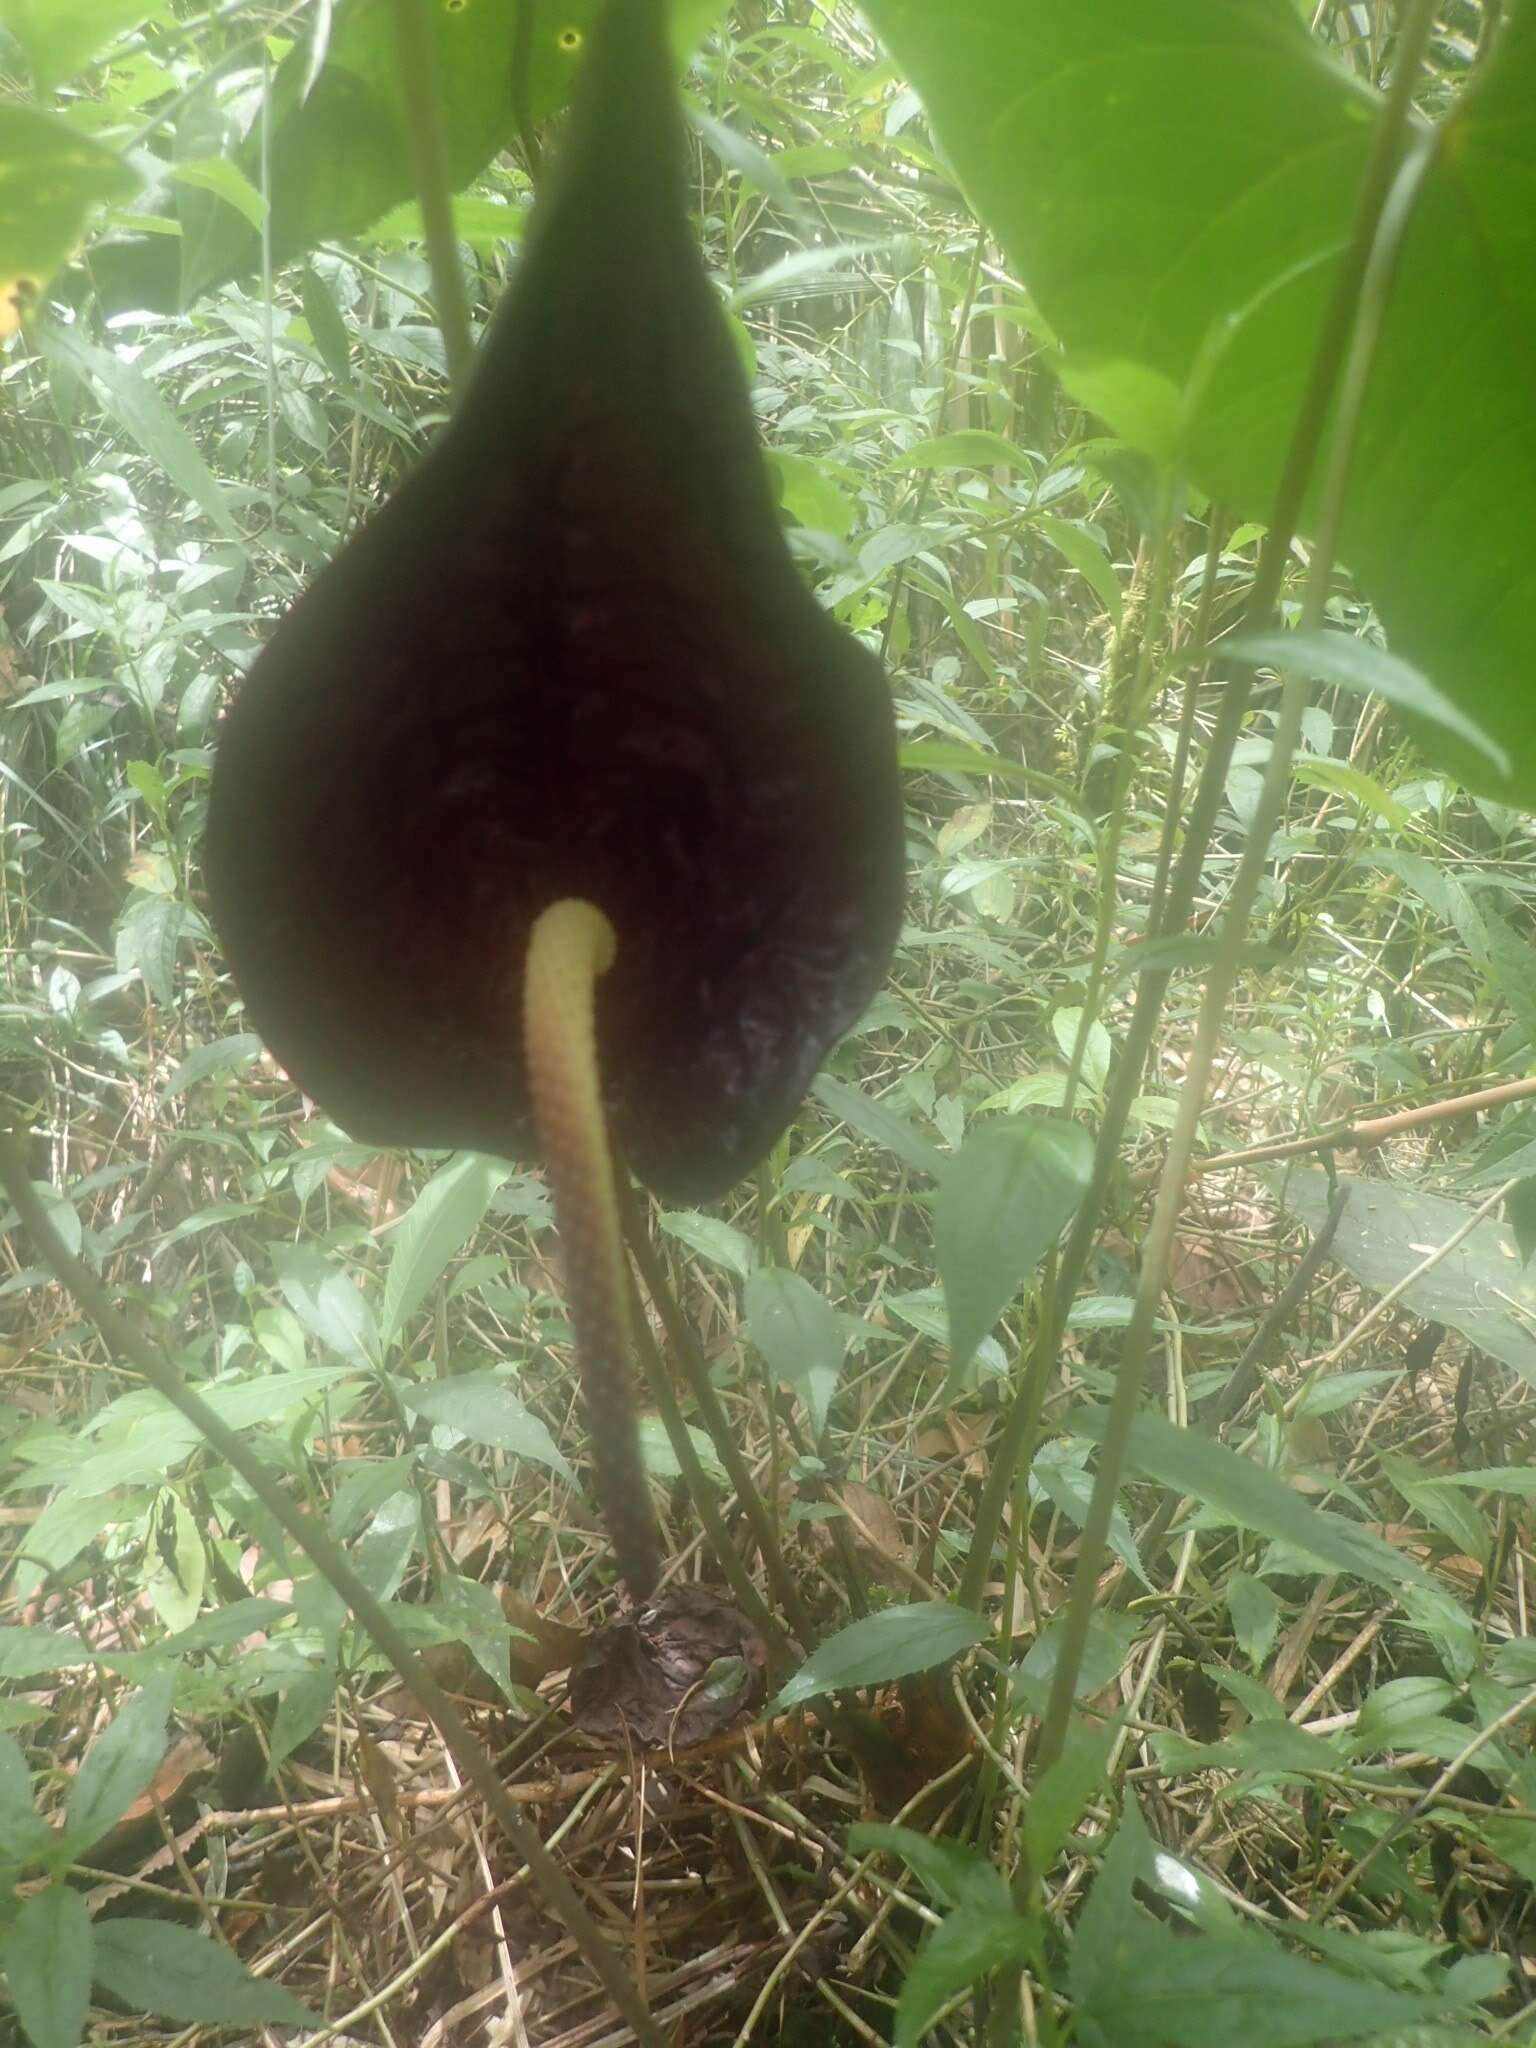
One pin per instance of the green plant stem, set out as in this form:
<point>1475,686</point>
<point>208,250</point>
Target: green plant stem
<point>1152,987</point>
<point>473,1761</point>
<point>716,1421</point>
<point>1391,183</point>
<point>417,57</point>
<point>748,1599</point>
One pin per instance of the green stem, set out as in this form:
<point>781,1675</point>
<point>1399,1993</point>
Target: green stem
<point>417,57</point>
<point>1382,213</point>
<point>1210,792</point>
<point>328,1559</point>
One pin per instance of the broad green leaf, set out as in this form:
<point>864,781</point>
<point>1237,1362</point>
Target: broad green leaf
<point>439,1223</point>
<point>1356,665</point>
<point>177,1563</point>
<point>1002,1203</point>
<point>1264,1746</point>
<point>483,1407</point>
<point>47,1958</point>
<point>954,1873</point>
<point>301,1710</point>
<point>949,757</point>
<point>482,222</point>
<point>119,1764</point>
<point>220,1056</point>
<point>971,448</point>
<point>1110,1637</point>
<point>225,181</point>
<point>661,1460</point>
<point>328,1302</point>
<point>1255,1612</point>
<point>1345,780</point>
<point>25,1837</point>
<point>874,1120</point>
<point>891,1643</point>
<point>809,495</point>
<point>1396,1714</point>
<point>387,1545</point>
<point>1086,556</point>
<point>1253,1498</point>
<point>962,1950</point>
<point>155,1966</point>
<point>1215,287</point>
<point>799,1335</point>
<point>1058,1795</point>
<point>708,1238</point>
<point>51,177</point>
<point>1387,1230</point>
<point>1209,1991</point>
<point>61,37</point>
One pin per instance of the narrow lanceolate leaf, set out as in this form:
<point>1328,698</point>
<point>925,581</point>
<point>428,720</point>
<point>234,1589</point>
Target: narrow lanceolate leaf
<point>963,1950</point>
<point>47,1964</point>
<point>1187,1462</point>
<point>798,1334</point>
<point>119,1764</point>
<point>883,1646</point>
<point>155,1967</point>
<point>440,1222</point>
<point>1003,1202</point>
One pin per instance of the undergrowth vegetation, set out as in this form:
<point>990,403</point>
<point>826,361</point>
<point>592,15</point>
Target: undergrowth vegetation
<point>1296,1800</point>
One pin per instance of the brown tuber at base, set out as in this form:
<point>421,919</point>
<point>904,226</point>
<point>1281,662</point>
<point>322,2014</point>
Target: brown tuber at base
<point>677,1672</point>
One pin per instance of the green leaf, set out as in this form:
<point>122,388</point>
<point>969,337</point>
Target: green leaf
<point>301,1710</point>
<point>225,181</point>
<point>1254,1498</point>
<point>439,1223</point>
<point>1386,1230</point>
<point>883,1125</point>
<point>25,1837</point>
<point>949,757</point>
<point>971,448</point>
<point>889,1644</point>
<point>1209,1991</point>
<point>483,1407</point>
<point>661,1460</point>
<point>339,141</point>
<point>484,223</point>
<point>1345,780</point>
<point>799,1336</point>
<point>1002,1203</point>
<point>51,177</point>
<point>1215,287</point>
<point>154,1966</point>
<point>127,394</point>
<point>60,37</point>
<point>47,1956</point>
<point>960,1951</point>
<point>809,495</point>
<point>328,1302</point>
<point>1356,665</point>
<point>222,1056</point>
<point>1086,556</point>
<point>1255,1612</point>
<point>119,1764</point>
<point>1058,1795</point>
<point>710,1239</point>
<point>956,1874</point>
